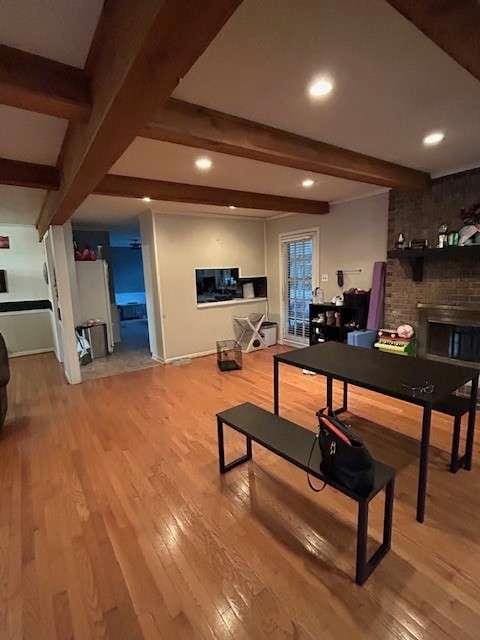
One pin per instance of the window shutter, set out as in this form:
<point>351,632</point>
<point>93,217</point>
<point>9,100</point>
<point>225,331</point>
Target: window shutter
<point>298,255</point>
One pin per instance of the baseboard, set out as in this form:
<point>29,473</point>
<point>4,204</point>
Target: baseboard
<point>198,354</point>
<point>32,352</point>
<point>70,380</point>
<point>291,343</point>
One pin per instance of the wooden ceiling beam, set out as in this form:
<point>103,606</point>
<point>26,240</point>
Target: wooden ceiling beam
<point>195,126</point>
<point>38,84</point>
<point>27,174</point>
<point>453,26</point>
<point>140,52</point>
<point>129,187</point>
<point>30,82</point>
<point>39,176</point>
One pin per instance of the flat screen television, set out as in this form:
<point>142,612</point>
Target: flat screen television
<point>217,285</point>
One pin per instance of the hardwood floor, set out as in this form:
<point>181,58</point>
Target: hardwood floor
<point>115,523</point>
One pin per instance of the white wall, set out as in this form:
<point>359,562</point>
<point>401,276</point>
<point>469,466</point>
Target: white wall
<point>24,331</point>
<point>352,236</point>
<point>27,332</point>
<point>23,263</point>
<point>184,243</point>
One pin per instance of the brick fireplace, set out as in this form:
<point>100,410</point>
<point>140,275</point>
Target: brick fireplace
<point>452,281</point>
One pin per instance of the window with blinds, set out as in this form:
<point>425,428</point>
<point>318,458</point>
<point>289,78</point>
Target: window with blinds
<point>298,285</point>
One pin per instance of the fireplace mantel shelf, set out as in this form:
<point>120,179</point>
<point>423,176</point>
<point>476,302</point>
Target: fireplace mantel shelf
<point>416,257</point>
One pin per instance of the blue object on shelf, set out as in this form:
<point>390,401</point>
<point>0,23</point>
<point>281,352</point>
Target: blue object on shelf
<point>362,338</point>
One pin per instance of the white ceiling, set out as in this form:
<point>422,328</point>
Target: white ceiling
<point>165,161</point>
<point>108,211</point>
<point>392,84</point>
<point>31,137</point>
<point>60,30</point>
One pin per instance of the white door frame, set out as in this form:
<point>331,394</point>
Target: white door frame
<point>53,295</point>
<point>153,289</point>
<point>62,246</point>
<point>314,233</point>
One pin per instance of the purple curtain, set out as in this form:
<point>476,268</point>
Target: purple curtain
<point>375,310</point>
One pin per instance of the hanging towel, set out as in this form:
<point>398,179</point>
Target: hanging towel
<point>375,310</point>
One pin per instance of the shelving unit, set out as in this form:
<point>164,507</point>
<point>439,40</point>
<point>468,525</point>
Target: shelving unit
<point>417,257</point>
<point>333,332</point>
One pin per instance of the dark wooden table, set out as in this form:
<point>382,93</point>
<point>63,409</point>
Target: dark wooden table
<point>416,380</point>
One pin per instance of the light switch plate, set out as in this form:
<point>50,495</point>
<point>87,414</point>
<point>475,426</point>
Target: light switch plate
<point>324,277</point>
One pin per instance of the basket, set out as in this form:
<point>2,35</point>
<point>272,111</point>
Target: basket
<point>229,355</point>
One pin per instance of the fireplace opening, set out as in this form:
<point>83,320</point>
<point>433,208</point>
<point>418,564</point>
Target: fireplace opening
<point>453,341</point>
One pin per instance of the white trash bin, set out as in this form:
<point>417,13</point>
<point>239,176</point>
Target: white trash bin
<point>269,333</point>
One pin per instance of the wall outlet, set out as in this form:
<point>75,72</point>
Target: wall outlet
<point>324,277</point>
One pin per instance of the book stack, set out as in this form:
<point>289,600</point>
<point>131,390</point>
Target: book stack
<point>389,341</point>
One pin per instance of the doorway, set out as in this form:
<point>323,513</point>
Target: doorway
<point>126,263</point>
<point>299,262</point>
<point>118,299</point>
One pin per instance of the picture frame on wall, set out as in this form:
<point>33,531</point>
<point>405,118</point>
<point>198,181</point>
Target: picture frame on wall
<point>4,242</point>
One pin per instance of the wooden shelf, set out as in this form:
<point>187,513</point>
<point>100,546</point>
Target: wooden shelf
<point>416,257</point>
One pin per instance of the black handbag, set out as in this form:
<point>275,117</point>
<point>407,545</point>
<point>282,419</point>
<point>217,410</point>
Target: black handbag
<point>345,458</point>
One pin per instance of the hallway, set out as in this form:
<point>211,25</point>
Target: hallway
<point>131,354</point>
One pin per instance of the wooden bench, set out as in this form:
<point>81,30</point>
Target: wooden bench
<point>457,407</point>
<point>293,443</point>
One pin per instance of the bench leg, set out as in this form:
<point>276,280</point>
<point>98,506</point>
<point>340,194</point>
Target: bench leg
<point>221,451</point>
<point>456,462</point>
<point>365,567</point>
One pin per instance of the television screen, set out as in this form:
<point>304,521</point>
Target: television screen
<point>217,285</point>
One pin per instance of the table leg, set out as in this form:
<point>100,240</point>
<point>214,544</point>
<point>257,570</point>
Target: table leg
<point>329,396</point>
<point>275,387</point>
<point>471,424</point>
<point>330,410</point>
<point>345,397</point>
<point>423,471</point>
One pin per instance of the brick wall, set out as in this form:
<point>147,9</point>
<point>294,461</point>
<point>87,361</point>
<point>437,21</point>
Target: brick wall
<point>418,215</point>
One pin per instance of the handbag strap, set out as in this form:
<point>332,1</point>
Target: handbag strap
<point>309,480</point>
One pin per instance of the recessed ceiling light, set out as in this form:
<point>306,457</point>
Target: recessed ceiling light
<point>204,164</point>
<point>307,183</point>
<point>320,87</point>
<point>231,206</point>
<point>146,199</point>
<point>433,138</point>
